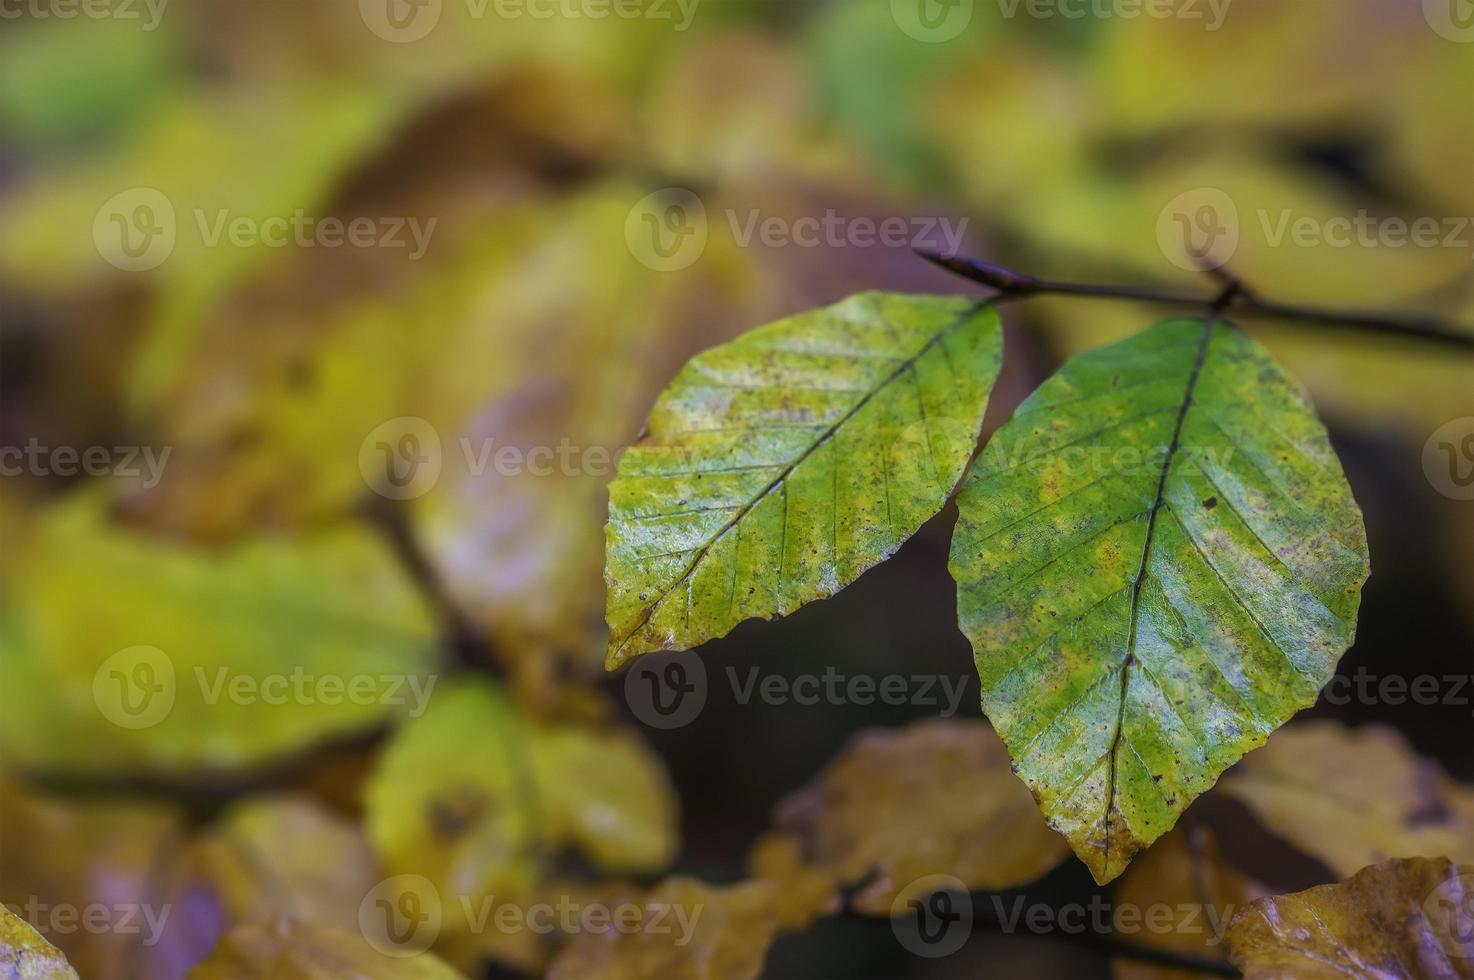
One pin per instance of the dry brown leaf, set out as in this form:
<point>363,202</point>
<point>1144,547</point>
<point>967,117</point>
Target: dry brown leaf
<point>1185,871</point>
<point>1354,797</point>
<point>685,928</point>
<point>1393,921</point>
<point>936,797</point>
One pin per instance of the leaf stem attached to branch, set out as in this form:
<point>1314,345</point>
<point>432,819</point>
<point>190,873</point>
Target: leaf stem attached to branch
<point>1015,285</point>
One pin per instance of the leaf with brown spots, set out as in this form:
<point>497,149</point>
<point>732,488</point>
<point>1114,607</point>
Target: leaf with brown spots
<point>1392,921</point>
<point>1132,642</point>
<point>777,468</point>
<point>1355,796</point>
<point>898,805</point>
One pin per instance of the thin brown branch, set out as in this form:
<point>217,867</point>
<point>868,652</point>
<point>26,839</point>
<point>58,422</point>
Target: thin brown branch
<point>1012,285</point>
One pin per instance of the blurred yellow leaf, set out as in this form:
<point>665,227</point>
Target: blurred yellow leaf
<point>126,653</point>
<point>1353,797</point>
<point>1257,62</point>
<point>475,800</point>
<point>291,950</point>
<point>276,856</point>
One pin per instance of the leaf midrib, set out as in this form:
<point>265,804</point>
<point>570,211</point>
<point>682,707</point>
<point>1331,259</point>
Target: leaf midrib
<point>779,480</point>
<point>1141,572</point>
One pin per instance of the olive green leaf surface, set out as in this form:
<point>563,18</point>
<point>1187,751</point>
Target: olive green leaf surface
<point>1158,562</point>
<point>775,469</point>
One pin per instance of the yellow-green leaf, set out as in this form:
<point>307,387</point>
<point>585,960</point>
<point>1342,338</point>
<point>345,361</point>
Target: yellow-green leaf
<point>124,652</point>
<point>1406,918</point>
<point>777,468</point>
<point>1158,563</point>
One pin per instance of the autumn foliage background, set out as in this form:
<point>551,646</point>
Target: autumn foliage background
<point>533,319</point>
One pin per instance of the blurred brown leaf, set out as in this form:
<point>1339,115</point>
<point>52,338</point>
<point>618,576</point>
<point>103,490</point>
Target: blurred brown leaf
<point>1186,872</point>
<point>936,797</point>
<point>685,929</point>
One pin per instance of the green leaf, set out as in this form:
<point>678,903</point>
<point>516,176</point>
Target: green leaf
<point>777,468</point>
<point>1158,562</point>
